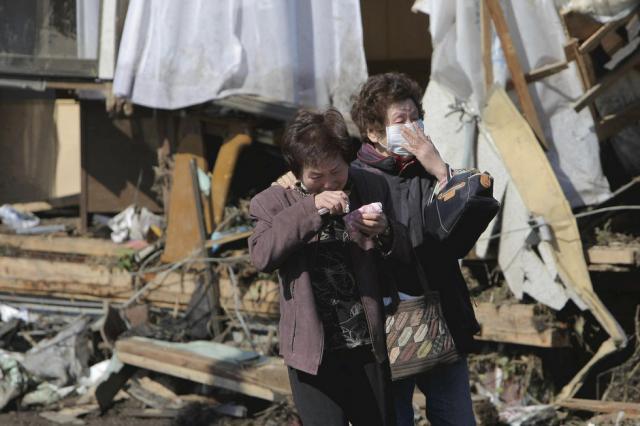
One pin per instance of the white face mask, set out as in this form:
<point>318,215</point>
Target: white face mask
<point>395,139</point>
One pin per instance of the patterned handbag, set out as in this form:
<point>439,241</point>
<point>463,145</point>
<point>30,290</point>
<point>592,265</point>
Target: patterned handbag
<point>417,335</point>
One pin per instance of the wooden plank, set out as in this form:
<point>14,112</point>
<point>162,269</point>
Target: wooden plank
<point>611,124</point>
<point>544,197</point>
<point>75,292</point>
<point>583,26</point>
<point>89,292</point>
<point>183,234</point>
<point>594,40</point>
<point>610,78</point>
<point>541,73</point>
<point>515,69</point>
<point>614,255</point>
<point>91,282</point>
<point>12,268</point>
<point>585,67</point>
<point>266,380</point>
<point>247,372</point>
<point>197,376</point>
<point>632,408</point>
<point>68,245</point>
<point>487,37</point>
<point>84,175</point>
<point>545,71</point>
<point>517,324</point>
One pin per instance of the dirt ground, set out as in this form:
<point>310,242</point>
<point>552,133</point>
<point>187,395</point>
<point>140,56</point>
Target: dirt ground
<point>113,417</point>
<point>193,415</point>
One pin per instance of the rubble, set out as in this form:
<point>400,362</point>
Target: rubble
<point>153,312</point>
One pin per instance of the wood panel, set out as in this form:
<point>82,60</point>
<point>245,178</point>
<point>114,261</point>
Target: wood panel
<point>91,282</point>
<point>517,324</point>
<point>266,379</point>
<point>183,232</point>
<point>614,255</point>
<point>66,245</point>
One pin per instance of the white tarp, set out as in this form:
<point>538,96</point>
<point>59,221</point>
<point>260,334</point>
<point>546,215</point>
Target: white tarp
<point>454,98</point>
<point>457,68</point>
<point>602,10</point>
<point>179,53</point>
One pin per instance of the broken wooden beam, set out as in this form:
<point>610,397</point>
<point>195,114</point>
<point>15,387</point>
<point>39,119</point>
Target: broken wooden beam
<point>596,406</point>
<point>518,324</point>
<point>590,95</point>
<point>594,40</point>
<point>210,363</point>
<point>65,245</point>
<point>487,37</point>
<point>515,69</point>
<point>88,281</point>
<point>614,255</point>
<point>582,27</point>
<point>541,73</point>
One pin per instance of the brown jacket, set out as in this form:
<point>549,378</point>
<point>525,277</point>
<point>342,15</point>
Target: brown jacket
<point>285,222</point>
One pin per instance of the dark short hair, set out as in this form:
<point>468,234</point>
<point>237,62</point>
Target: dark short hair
<point>369,110</point>
<point>313,137</point>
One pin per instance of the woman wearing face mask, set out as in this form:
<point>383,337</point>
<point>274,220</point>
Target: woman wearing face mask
<point>331,316</point>
<point>389,114</point>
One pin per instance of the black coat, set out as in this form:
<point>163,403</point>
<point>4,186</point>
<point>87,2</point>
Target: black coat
<point>411,188</point>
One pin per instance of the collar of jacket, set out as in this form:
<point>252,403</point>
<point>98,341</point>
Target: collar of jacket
<point>393,164</point>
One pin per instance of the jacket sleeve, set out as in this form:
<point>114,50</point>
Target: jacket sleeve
<point>280,231</point>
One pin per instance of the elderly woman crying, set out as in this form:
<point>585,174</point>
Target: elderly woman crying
<point>328,236</point>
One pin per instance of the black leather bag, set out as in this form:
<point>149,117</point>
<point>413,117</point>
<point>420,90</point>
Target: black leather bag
<point>462,210</point>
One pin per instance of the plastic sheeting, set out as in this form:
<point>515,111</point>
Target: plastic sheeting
<point>602,10</point>
<point>176,54</point>
<point>457,68</point>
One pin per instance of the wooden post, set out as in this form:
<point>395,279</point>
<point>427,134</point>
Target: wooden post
<point>517,75</point>
<point>84,193</point>
<point>486,34</point>
<point>214,292</point>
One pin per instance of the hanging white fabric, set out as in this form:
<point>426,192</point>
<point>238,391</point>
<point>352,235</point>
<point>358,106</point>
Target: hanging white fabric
<point>457,68</point>
<point>176,54</point>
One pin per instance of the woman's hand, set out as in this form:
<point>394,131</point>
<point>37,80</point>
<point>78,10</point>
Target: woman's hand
<point>425,151</point>
<point>287,181</point>
<point>371,224</point>
<point>334,201</point>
